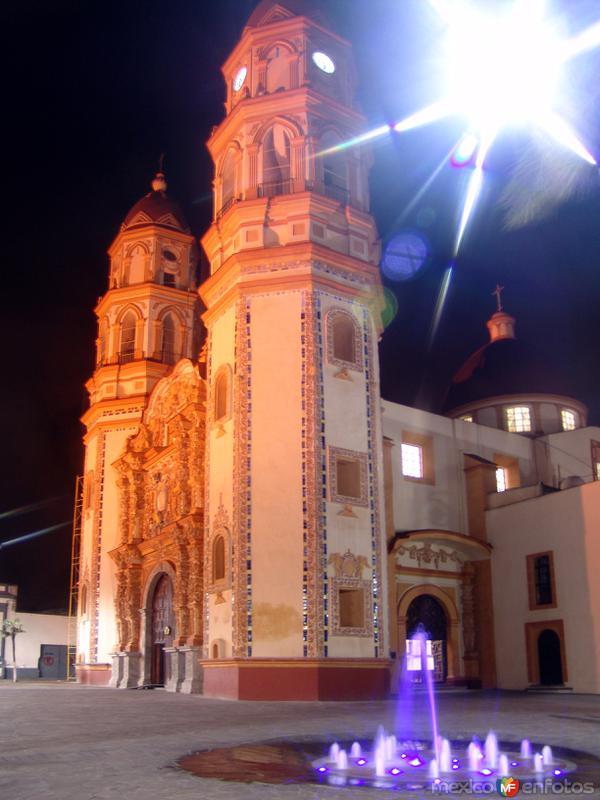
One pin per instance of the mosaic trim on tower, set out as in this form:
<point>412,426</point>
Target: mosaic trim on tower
<point>374,438</point>
<point>97,545</point>
<point>314,482</point>
<point>242,521</point>
<point>207,349</point>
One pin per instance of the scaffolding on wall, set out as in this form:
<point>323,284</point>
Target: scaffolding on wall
<point>74,579</point>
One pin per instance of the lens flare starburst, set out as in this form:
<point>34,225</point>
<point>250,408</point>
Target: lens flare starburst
<point>500,69</point>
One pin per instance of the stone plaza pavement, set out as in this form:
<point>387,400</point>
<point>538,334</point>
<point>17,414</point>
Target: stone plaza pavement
<point>63,741</point>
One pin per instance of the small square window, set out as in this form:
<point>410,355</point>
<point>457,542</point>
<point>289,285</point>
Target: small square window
<point>518,419</point>
<point>568,419</point>
<point>351,608</point>
<point>348,477</point>
<point>412,461</point>
<point>500,479</point>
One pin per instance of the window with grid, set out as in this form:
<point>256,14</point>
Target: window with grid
<point>412,461</point>
<point>518,419</point>
<point>568,419</point>
<point>127,345</point>
<point>543,581</point>
<point>596,460</point>
<point>500,479</point>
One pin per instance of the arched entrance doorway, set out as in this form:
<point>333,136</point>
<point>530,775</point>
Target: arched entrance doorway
<point>425,610</point>
<point>162,629</point>
<point>550,658</point>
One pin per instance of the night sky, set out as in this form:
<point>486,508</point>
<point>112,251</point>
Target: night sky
<point>95,91</point>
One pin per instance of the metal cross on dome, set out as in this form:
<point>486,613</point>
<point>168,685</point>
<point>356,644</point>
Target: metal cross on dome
<point>498,294</point>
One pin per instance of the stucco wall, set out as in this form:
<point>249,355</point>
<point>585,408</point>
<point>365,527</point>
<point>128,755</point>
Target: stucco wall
<point>443,505</point>
<point>568,524</point>
<point>39,629</point>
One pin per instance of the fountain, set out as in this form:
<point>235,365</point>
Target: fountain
<point>394,762</point>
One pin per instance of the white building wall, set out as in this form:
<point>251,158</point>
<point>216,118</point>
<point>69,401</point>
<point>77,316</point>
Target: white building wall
<point>568,524</point>
<point>110,538</point>
<point>569,454</point>
<point>39,629</point>
<point>442,505</point>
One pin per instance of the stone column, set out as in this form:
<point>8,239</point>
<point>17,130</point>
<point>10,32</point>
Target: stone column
<point>471,655</point>
<point>193,673</point>
<point>117,670</point>
<point>130,675</point>
<point>175,669</point>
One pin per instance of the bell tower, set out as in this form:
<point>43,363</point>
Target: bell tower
<point>147,321</point>
<point>295,535</point>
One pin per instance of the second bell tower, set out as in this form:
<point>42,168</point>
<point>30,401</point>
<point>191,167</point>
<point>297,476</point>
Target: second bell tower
<point>295,601</point>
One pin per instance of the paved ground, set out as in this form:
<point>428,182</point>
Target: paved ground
<point>63,741</point>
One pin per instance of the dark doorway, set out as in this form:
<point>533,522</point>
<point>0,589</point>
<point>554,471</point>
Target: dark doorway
<point>550,658</point>
<point>163,624</point>
<point>425,610</point>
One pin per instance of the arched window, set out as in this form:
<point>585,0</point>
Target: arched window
<point>344,345</point>
<point>335,170</point>
<point>168,340</point>
<point>103,343</point>
<point>278,70</point>
<point>221,398</point>
<point>343,339</point>
<point>127,345</point>
<point>227,181</point>
<point>83,600</point>
<point>276,161</point>
<point>219,559</point>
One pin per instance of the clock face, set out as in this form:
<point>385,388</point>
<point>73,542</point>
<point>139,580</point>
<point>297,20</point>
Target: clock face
<point>240,77</point>
<point>323,62</point>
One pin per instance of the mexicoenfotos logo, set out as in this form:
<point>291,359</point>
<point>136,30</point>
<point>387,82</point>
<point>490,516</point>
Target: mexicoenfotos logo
<point>507,787</point>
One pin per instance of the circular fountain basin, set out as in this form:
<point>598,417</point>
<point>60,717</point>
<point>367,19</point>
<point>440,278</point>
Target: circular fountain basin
<point>410,768</point>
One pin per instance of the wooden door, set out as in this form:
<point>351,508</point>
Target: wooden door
<point>163,624</point>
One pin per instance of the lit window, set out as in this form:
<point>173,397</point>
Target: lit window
<point>412,460</point>
<point>518,419</point>
<point>500,479</point>
<point>467,418</point>
<point>597,470</point>
<point>568,419</point>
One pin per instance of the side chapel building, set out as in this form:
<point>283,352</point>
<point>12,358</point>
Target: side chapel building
<point>257,522</point>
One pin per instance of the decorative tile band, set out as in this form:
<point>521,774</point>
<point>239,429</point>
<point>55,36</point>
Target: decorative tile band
<point>96,556</point>
<point>314,578</point>
<point>242,488</point>
<point>372,400</point>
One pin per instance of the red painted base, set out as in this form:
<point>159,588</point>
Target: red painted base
<point>297,679</point>
<point>93,674</point>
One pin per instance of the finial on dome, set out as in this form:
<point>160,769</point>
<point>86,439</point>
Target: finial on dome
<point>159,182</point>
<point>500,325</point>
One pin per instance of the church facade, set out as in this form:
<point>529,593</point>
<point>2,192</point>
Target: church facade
<point>257,523</point>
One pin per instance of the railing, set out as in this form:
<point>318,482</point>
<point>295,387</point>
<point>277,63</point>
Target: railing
<point>292,186</point>
<point>226,206</point>
<point>164,357</point>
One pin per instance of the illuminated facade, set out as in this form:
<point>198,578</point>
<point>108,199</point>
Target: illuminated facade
<point>257,522</point>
